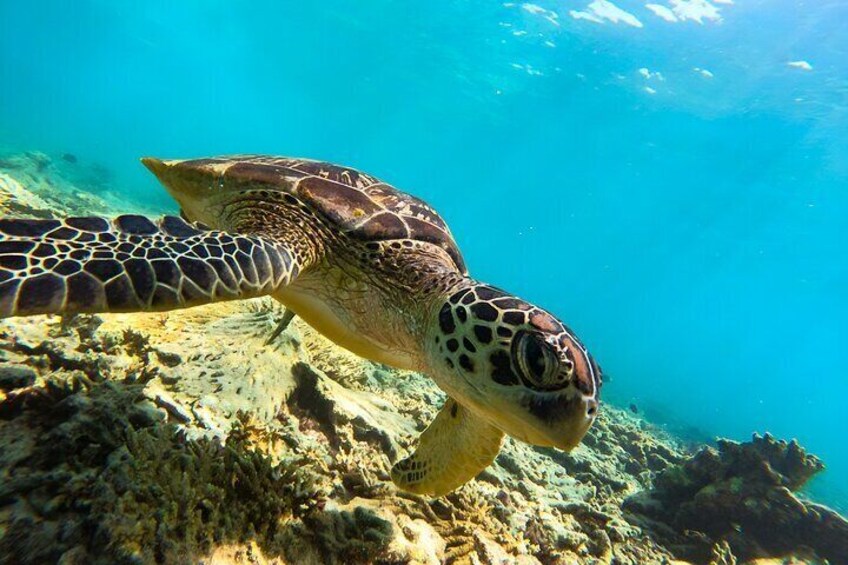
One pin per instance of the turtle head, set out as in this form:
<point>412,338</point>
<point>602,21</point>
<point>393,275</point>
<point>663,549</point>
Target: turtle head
<point>192,183</point>
<point>515,365</point>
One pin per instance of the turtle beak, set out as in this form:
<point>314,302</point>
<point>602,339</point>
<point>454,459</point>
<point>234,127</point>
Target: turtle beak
<point>156,166</point>
<point>573,429</point>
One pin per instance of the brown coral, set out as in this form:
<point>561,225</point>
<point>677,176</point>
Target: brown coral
<point>742,494</point>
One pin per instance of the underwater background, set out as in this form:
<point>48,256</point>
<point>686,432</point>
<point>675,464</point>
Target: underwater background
<point>669,178</point>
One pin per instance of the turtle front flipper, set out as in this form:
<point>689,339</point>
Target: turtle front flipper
<point>453,449</point>
<point>131,264</point>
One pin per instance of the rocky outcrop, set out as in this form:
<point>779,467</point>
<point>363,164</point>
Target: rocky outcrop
<point>742,495</point>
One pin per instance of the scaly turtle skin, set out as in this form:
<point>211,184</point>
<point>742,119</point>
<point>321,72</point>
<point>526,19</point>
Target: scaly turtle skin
<point>374,269</point>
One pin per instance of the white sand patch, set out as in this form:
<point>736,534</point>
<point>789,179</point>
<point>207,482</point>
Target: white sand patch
<point>803,65</point>
<point>663,12</point>
<point>695,10</point>
<point>703,72</point>
<point>601,11</point>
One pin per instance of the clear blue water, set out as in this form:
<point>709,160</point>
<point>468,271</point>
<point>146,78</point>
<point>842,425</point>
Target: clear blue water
<point>691,226</point>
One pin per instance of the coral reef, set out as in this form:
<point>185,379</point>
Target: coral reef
<point>741,495</point>
<point>184,438</point>
<point>106,481</point>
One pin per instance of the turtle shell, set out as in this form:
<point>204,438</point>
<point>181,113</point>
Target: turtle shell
<point>363,207</point>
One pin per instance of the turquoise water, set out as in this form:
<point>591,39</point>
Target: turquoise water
<point>676,191</point>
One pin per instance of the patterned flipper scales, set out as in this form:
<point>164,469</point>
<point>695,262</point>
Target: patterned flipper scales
<point>131,264</point>
<point>454,449</point>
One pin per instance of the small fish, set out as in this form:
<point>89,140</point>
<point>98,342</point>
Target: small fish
<point>69,157</point>
<point>634,408</point>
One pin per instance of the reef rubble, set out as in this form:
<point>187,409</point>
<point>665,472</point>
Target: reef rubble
<point>182,437</point>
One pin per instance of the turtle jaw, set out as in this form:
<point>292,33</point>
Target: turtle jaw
<point>559,420</point>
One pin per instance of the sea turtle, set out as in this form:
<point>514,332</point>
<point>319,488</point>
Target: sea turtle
<point>372,268</point>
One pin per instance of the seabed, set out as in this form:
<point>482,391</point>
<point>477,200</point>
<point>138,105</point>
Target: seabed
<point>183,438</point>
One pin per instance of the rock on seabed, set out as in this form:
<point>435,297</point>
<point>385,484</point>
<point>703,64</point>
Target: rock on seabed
<point>182,438</point>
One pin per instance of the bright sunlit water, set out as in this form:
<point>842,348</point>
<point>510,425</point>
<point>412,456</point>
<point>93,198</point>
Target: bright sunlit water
<point>671,180</point>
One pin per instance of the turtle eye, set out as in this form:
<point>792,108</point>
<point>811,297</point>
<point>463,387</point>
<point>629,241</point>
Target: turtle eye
<point>536,361</point>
